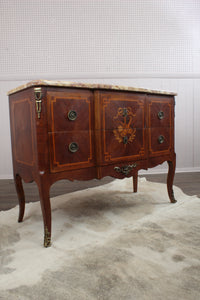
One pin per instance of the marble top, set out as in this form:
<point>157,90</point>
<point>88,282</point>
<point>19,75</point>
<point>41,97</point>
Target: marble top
<point>93,86</point>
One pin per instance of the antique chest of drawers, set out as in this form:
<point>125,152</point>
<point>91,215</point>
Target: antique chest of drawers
<point>64,130</point>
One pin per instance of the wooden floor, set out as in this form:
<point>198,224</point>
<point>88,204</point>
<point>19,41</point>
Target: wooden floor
<point>188,182</point>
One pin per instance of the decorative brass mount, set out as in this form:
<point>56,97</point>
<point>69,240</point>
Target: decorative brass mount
<point>38,100</point>
<point>125,169</point>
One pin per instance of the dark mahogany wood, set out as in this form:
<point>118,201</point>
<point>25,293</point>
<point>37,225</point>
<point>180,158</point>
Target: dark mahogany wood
<point>21,196</point>
<point>44,191</point>
<point>170,179</point>
<point>116,133</point>
<point>135,181</point>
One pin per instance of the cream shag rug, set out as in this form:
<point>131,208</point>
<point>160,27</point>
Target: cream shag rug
<point>108,244</point>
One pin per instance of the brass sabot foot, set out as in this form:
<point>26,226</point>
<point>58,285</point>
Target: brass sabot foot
<point>172,198</point>
<point>47,238</point>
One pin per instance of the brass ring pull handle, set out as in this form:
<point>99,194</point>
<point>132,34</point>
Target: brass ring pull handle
<point>73,147</point>
<point>125,169</point>
<point>161,115</point>
<point>72,115</point>
<point>161,139</point>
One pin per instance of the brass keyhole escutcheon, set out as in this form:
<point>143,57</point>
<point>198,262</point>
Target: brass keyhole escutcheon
<point>73,147</point>
<point>125,140</point>
<point>72,115</point>
<point>160,115</point>
<point>161,139</point>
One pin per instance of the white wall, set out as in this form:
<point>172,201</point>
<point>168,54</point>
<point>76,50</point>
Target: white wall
<point>145,43</point>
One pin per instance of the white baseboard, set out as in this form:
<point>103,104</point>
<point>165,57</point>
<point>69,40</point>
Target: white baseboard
<point>165,170</point>
<point>9,176</point>
<point>141,172</point>
<point>187,170</point>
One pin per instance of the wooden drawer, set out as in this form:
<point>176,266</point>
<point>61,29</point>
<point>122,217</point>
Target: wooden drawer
<point>122,126</point>
<point>69,110</point>
<point>122,110</point>
<point>70,150</point>
<point>116,149</point>
<point>160,141</point>
<point>160,111</point>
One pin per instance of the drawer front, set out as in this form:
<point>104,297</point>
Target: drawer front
<point>122,126</point>
<point>160,111</point>
<point>122,110</point>
<point>70,150</point>
<point>115,148</point>
<point>160,141</point>
<point>69,110</point>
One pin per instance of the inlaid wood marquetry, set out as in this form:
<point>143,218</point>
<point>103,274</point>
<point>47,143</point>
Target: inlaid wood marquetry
<point>66,129</point>
<point>118,130</point>
<point>74,131</point>
<point>161,126</point>
<point>23,145</point>
<point>125,132</point>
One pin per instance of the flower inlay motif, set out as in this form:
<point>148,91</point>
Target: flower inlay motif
<point>125,132</point>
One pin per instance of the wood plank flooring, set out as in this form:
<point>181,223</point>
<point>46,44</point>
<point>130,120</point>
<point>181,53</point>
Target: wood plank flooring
<point>188,182</point>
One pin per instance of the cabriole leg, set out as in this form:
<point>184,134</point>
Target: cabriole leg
<point>46,211</point>
<point>21,197</point>
<point>170,179</point>
<point>135,181</point>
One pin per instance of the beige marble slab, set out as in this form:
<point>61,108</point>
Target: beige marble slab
<point>93,86</point>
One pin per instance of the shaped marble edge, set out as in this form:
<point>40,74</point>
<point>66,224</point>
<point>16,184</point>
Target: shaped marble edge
<point>93,86</point>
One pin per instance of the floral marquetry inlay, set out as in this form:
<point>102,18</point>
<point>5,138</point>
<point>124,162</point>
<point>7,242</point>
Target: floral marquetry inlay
<point>125,132</point>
